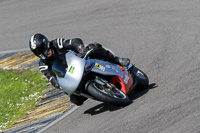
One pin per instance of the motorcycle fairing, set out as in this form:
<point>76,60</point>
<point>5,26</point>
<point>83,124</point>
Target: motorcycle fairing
<point>73,74</point>
<point>120,74</point>
<point>105,68</point>
<point>125,83</point>
<point>75,70</point>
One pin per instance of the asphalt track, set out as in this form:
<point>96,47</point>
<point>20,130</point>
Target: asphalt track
<point>160,37</point>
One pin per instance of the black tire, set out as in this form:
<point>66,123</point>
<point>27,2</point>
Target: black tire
<point>100,92</point>
<point>142,79</point>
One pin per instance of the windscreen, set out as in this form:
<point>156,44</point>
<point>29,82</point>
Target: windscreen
<point>60,66</point>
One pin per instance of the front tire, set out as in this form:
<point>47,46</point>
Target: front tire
<point>142,79</point>
<point>105,94</point>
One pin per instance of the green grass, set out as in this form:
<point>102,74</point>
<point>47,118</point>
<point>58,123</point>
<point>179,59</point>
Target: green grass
<point>19,90</point>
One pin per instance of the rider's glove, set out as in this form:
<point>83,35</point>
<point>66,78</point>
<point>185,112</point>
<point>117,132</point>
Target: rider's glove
<point>89,49</point>
<point>54,82</point>
<point>83,52</point>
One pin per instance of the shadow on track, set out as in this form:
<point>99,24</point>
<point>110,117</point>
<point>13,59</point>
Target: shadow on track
<point>100,108</point>
<point>135,95</point>
<point>103,107</point>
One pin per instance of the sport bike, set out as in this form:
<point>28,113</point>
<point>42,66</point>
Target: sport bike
<point>97,79</point>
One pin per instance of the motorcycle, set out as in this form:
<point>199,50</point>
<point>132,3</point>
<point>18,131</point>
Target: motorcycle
<point>97,79</point>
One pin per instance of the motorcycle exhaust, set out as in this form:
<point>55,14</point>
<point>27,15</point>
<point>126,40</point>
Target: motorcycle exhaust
<point>102,82</point>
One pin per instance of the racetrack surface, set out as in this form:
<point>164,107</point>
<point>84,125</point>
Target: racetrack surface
<point>160,37</point>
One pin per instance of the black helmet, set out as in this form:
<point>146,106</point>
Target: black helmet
<point>39,45</point>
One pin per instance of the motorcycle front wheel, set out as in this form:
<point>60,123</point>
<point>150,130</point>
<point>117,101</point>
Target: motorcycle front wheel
<point>142,79</point>
<point>109,95</point>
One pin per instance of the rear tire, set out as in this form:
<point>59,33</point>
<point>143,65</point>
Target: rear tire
<point>103,93</point>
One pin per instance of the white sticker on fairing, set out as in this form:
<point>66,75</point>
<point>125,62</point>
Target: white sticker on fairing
<point>126,79</point>
<point>100,66</point>
<point>108,66</point>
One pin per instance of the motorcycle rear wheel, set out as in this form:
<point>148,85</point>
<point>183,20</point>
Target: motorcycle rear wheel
<point>105,94</point>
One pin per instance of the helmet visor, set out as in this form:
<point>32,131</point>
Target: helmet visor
<point>46,50</point>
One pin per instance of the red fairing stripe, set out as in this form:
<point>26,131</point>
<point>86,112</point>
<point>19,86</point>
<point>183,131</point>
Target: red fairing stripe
<point>126,83</point>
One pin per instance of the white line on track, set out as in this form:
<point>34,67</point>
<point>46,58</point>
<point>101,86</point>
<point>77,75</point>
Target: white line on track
<point>59,119</point>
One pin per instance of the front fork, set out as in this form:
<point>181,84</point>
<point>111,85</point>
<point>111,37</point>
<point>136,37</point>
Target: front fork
<point>100,81</point>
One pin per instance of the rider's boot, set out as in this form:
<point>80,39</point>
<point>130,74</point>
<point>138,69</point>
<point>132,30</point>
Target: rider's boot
<point>118,60</point>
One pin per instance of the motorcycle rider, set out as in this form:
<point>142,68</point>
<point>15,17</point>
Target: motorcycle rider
<point>47,51</point>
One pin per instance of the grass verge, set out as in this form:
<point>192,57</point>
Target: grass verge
<point>19,90</point>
